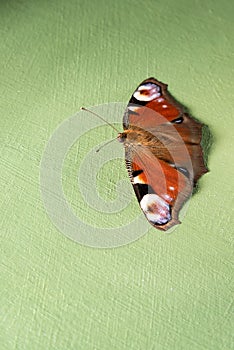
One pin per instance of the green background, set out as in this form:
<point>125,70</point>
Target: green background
<point>160,292</point>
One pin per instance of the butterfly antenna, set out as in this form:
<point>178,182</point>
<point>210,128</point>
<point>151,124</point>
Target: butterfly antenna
<point>105,144</point>
<point>100,117</point>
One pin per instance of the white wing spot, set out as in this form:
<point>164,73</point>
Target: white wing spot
<point>133,108</point>
<point>137,180</point>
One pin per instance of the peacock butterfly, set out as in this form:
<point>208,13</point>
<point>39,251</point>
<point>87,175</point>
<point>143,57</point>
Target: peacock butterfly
<point>163,152</point>
<point>164,157</point>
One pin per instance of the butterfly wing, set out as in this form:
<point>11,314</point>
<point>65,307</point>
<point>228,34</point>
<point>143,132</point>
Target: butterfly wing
<point>160,188</point>
<point>163,152</point>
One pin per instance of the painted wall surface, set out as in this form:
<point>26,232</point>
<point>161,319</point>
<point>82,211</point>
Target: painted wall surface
<point>161,291</point>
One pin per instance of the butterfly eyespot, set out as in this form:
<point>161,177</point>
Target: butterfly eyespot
<point>156,209</point>
<point>147,92</point>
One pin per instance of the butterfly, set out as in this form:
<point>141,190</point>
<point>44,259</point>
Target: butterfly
<point>163,152</point>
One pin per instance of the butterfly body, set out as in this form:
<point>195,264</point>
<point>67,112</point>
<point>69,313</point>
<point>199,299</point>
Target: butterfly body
<point>163,154</point>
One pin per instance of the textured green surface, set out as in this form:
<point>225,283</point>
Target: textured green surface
<point>161,292</point>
